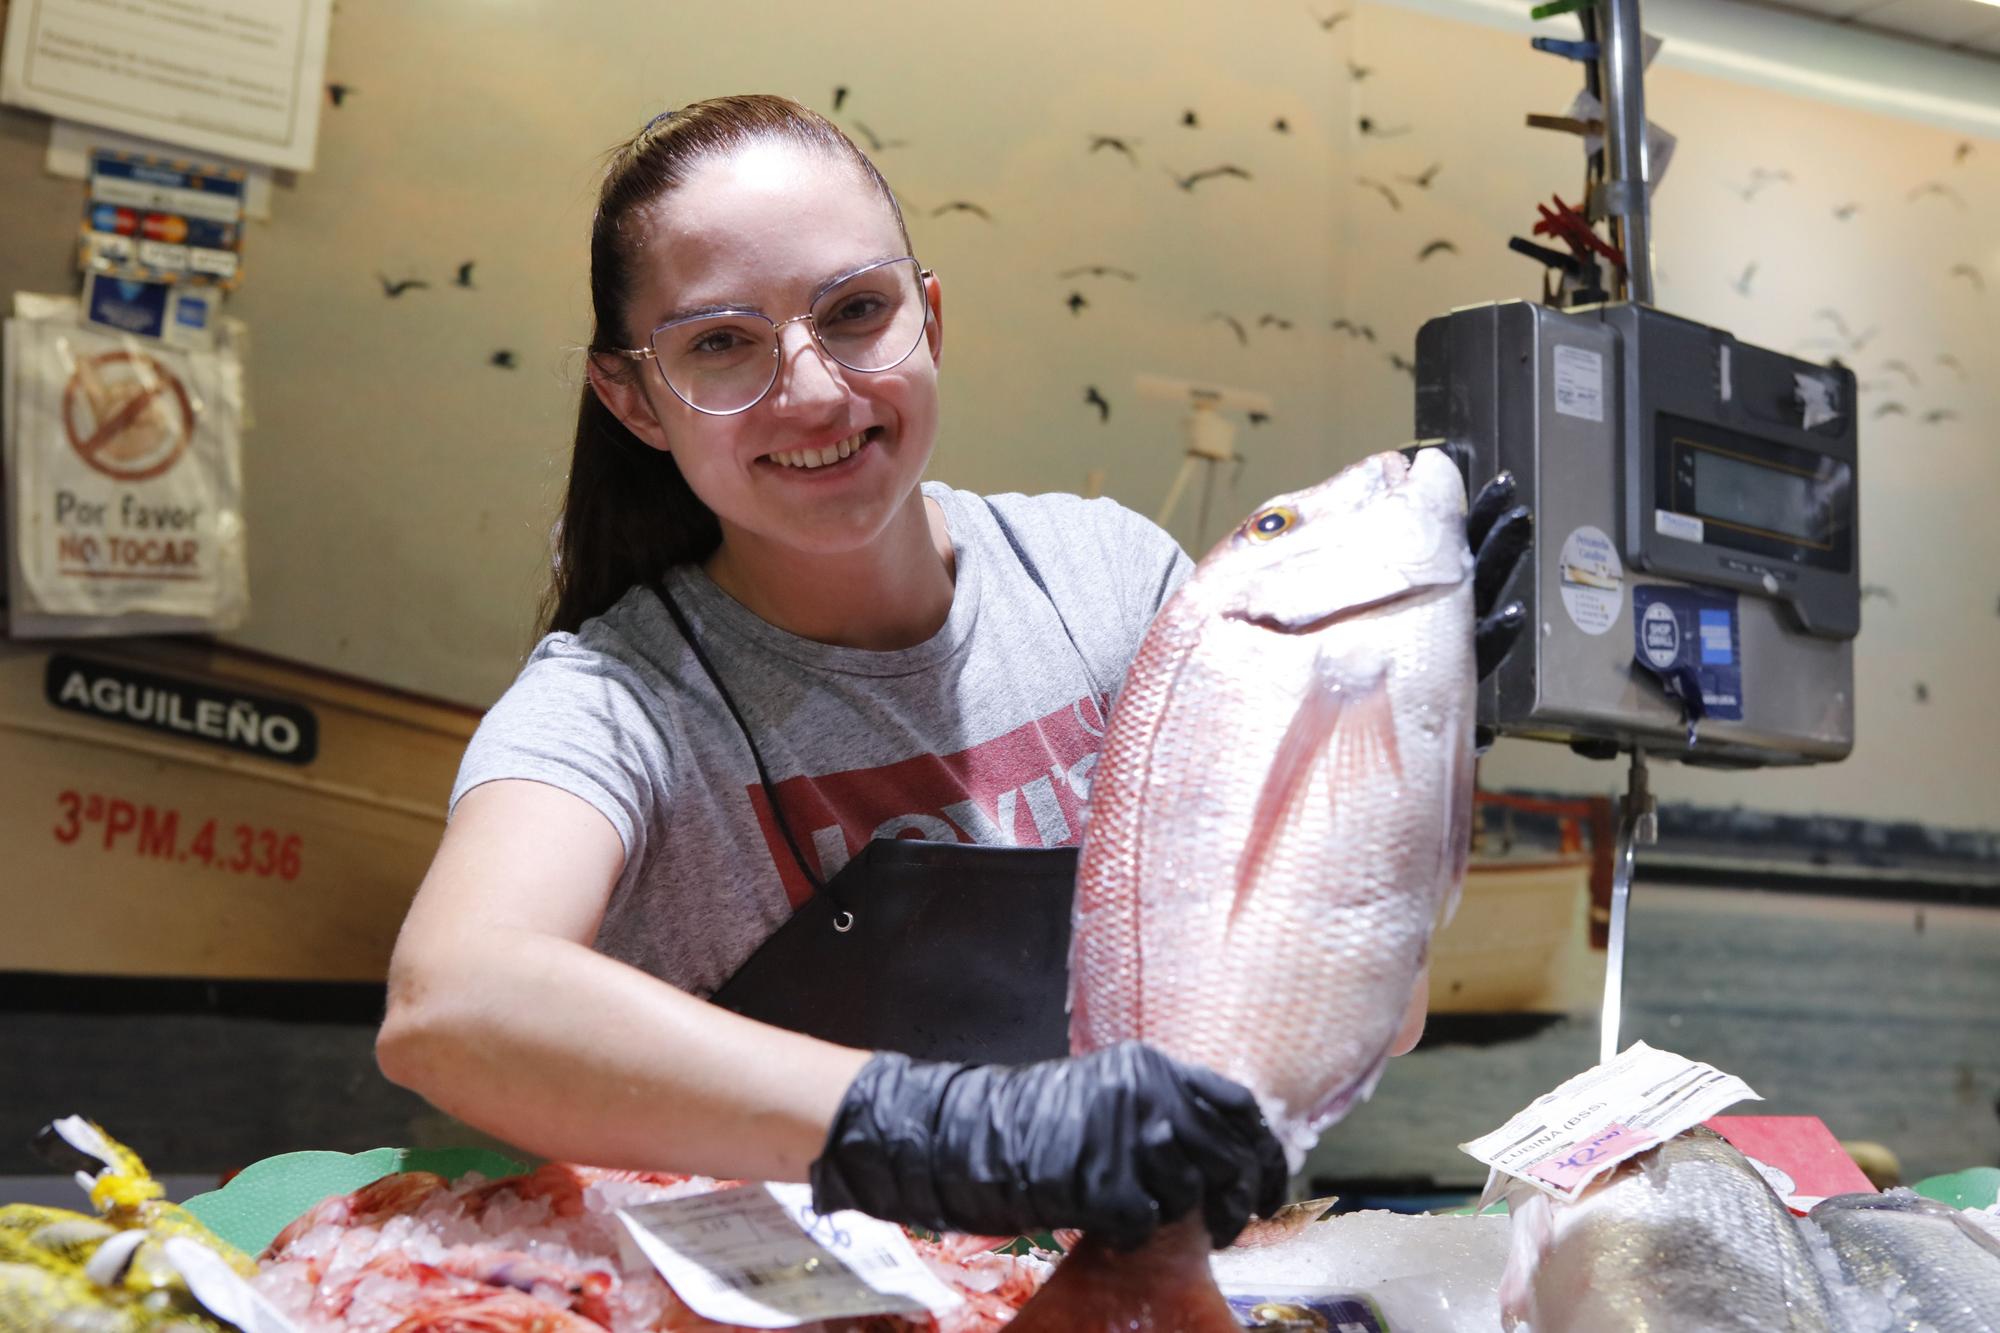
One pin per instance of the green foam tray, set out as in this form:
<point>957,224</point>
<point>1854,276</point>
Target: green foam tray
<point>1974,1187</point>
<point>265,1197</point>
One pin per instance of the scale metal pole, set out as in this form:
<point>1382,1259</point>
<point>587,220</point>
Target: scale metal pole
<point>1638,825</point>
<point>1622,196</point>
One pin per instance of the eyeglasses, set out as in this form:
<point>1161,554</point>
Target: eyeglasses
<point>723,363</point>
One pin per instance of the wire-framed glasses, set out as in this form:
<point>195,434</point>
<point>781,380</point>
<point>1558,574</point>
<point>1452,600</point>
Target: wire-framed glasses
<point>724,362</point>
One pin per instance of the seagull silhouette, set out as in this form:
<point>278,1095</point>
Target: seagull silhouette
<point>503,359</point>
<point>1891,409</point>
<point>1437,247</point>
<point>1331,21</point>
<point>1941,190</point>
<point>877,144</point>
<point>1970,274</point>
<point>1952,363</point>
<point>1422,180</point>
<point>1846,211</point>
<point>1903,368</point>
<point>1235,324</point>
<point>1099,271</point>
<point>1353,330</point>
<point>1742,284</point>
<point>1273,322</point>
<point>1938,415</point>
<point>1382,190</point>
<point>1208,173</point>
<point>961,206</point>
<point>1095,399</point>
<point>395,289</point>
<point>1368,126</point>
<point>464,278</point>
<point>1116,144</point>
<point>1076,303</point>
<point>1407,367</point>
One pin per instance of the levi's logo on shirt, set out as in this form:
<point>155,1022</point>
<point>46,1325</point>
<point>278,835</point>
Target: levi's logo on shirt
<point>1026,788</point>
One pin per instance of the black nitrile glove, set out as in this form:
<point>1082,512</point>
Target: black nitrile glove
<point>1115,1143</point>
<point>1499,531</point>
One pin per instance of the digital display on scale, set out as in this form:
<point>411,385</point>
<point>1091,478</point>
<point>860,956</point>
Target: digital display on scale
<point>1755,495</point>
<point>1734,490</point>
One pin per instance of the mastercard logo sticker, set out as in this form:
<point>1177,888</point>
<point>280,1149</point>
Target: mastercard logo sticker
<point>127,415</point>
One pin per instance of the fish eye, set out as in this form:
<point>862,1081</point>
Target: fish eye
<point>1270,522</point>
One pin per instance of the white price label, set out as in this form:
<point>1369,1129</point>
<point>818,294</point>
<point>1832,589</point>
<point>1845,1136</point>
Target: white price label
<point>1579,382</point>
<point>1569,1137</point>
<point>759,1256</point>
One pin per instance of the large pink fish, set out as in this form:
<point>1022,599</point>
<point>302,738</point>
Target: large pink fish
<point>1279,816</point>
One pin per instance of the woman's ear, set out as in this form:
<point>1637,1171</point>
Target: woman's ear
<point>616,383</point>
<point>935,333</point>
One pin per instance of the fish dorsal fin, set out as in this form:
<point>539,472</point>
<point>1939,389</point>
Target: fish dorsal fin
<point>1348,718</point>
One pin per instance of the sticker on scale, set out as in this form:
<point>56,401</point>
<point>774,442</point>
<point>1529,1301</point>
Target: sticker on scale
<point>758,1256</point>
<point>1682,527</point>
<point>1593,580</point>
<point>1690,638</point>
<point>1579,382</point>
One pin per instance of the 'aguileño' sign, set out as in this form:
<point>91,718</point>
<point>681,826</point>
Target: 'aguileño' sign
<point>247,723</point>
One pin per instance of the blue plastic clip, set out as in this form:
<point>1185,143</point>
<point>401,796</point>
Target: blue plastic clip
<point>1556,46</point>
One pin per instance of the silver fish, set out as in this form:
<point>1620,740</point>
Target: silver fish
<point>1686,1236</point>
<point>1283,802</point>
<point>1938,1271</point>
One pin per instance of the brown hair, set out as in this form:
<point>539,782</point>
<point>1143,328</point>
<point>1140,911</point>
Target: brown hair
<point>628,515</point>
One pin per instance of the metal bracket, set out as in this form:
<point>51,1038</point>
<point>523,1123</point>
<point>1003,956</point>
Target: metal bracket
<point>1638,824</point>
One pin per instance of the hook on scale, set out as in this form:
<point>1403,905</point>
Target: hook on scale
<point>1211,441</point>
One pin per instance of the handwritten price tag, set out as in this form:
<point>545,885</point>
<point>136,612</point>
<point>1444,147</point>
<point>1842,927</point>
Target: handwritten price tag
<point>1614,1143</point>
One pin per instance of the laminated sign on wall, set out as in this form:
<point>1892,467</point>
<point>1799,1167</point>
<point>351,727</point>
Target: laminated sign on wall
<point>125,474</point>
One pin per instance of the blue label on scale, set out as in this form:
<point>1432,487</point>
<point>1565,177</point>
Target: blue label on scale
<point>1689,639</point>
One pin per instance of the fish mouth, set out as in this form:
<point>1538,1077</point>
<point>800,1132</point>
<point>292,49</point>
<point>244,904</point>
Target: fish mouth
<point>1300,628</point>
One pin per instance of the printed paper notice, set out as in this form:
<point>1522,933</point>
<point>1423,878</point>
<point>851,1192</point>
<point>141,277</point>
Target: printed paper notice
<point>241,77</point>
<point>1568,1138</point>
<point>1579,382</point>
<point>760,1257</point>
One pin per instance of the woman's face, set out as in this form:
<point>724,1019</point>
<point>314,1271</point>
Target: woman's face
<point>765,228</point>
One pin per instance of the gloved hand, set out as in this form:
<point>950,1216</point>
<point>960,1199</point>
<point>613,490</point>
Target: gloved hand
<point>1499,531</point>
<point>1115,1142</point>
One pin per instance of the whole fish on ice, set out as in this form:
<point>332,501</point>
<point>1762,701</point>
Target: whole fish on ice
<point>1281,811</point>
<point>1686,1236</point>
<point>1938,1271</point>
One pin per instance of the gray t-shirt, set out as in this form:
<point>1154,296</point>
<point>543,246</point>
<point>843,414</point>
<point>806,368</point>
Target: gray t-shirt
<point>986,732</point>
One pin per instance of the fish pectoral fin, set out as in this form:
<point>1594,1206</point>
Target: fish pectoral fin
<point>1351,728</point>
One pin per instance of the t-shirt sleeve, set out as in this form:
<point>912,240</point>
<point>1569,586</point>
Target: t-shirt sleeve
<point>573,719</point>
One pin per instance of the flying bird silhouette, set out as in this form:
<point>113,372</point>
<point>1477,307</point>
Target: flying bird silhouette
<point>1940,189</point>
<point>1353,330</point>
<point>1832,316</point>
<point>839,97</point>
<point>877,144</point>
<point>1116,144</point>
<point>1437,247</point>
<point>1846,211</point>
<point>397,288</point>
<point>1382,190</point>
<point>961,206</point>
<point>1258,418</point>
<point>1099,271</point>
<point>1891,409</point>
<point>1422,180</point>
<point>1331,21</point>
<point>1189,119</point>
<point>1903,368</point>
<point>1273,322</point>
<point>1971,275</point>
<point>503,359</point>
<point>1235,324</point>
<point>1939,415</point>
<point>1759,178</point>
<point>1407,367</point>
<point>1358,72</point>
<point>1095,399</point>
<point>464,278</point>
<point>1281,125</point>
<point>338,93</point>
<point>1742,284</point>
<point>1368,126</point>
<point>1951,363</point>
<point>1880,590</point>
<point>1923,693</point>
<point>1960,153</point>
<point>1208,173</point>
<point>1076,303</point>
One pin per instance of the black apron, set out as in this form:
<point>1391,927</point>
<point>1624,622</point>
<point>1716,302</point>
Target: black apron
<point>940,950</point>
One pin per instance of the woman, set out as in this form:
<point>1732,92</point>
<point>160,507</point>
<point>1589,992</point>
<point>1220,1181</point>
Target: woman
<point>770,646</point>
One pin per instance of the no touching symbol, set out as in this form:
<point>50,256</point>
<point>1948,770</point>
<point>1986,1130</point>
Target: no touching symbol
<point>127,415</point>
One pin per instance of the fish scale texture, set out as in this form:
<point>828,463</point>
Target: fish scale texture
<point>1943,1280</point>
<point>1685,1237</point>
<point>1272,821</point>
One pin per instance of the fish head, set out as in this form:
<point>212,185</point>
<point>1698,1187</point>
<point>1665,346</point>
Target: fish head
<point>1376,531</point>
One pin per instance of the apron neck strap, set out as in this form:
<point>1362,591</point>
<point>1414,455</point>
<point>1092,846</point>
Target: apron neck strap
<point>680,620</point>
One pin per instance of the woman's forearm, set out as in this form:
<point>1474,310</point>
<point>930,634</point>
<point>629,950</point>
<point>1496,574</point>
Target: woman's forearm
<point>569,1054</point>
